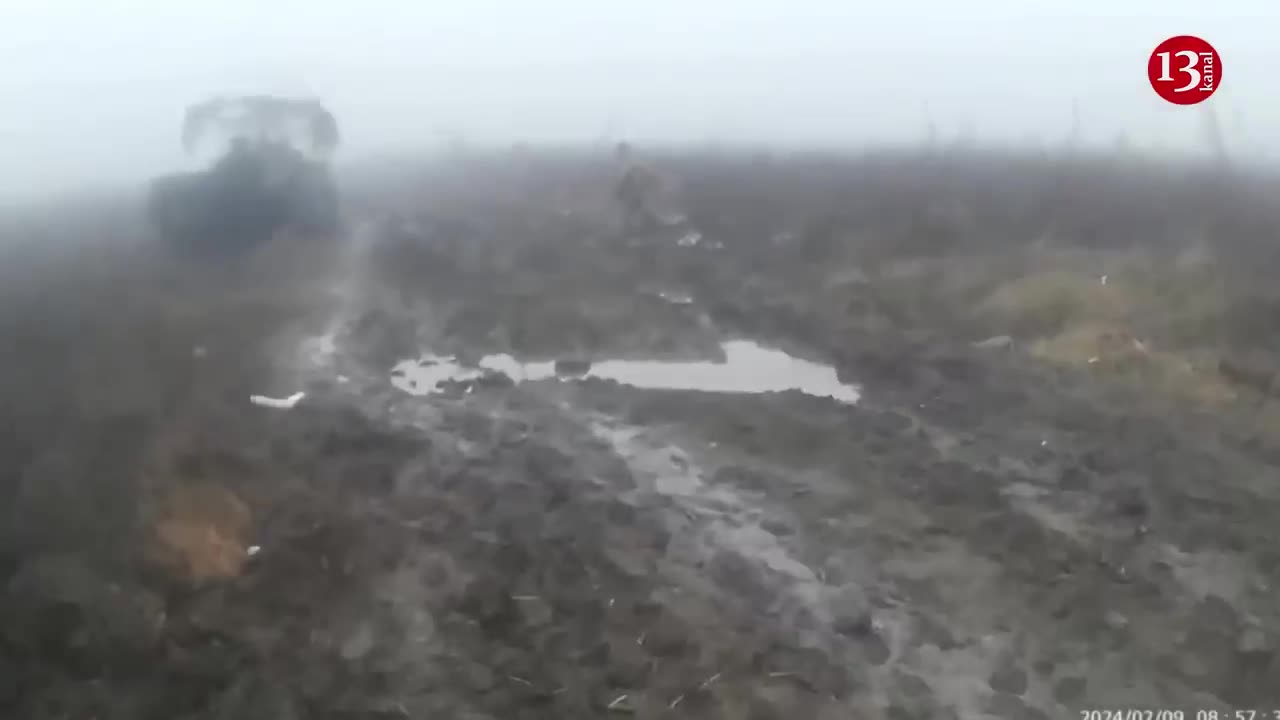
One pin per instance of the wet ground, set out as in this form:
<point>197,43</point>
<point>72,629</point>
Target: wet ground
<point>541,470</point>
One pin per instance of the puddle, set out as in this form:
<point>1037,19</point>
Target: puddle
<point>748,368</point>
<point>424,375</point>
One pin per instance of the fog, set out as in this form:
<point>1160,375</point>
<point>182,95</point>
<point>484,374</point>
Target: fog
<point>93,92</point>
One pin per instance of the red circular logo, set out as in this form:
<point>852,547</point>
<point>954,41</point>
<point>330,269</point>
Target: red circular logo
<point>1185,70</point>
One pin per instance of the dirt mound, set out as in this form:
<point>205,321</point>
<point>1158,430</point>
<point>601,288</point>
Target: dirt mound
<point>200,533</point>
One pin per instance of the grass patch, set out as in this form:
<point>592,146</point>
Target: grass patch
<point>1153,322</point>
<point>1048,303</point>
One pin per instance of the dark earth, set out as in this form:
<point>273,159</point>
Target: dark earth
<point>1056,492</point>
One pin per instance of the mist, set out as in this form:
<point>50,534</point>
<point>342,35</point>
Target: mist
<point>94,92</point>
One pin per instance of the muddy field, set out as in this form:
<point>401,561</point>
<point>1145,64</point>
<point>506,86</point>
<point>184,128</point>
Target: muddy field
<point>882,436</point>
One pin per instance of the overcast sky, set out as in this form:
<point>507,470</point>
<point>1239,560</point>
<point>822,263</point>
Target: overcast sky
<point>92,91</point>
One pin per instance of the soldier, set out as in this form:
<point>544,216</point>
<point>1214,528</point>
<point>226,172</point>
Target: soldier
<point>636,191</point>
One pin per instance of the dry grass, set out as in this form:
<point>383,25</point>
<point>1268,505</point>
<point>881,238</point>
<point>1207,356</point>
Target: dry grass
<point>1050,302</point>
<point>200,532</point>
<point>1154,323</point>
<point>1113,352</point>
<point>1094,343</point>
<point>193,494</point>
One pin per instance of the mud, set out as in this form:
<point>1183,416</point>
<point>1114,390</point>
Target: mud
<point>518,524</point>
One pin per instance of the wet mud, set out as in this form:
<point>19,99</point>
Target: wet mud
<point>540,470</point>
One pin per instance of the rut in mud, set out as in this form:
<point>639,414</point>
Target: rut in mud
<point>528,478</point>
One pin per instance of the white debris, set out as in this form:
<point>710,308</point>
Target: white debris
<point>994,343</point>
<point>254,550</point>
<point>675,298</point>
<point>1103,279</point>
<point>277,403</point>
<point>1044,443</point>
<point>690,239</point>
<point>1094,359</point>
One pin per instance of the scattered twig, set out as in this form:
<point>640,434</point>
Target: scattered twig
<point>707,683</point>
<point>675,702</point>
<point>523,598</point>
<point>520,680</point>
<point>640,640</point>
<point>616,702</point>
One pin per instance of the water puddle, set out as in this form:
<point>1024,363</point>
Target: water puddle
<point>424,375</point>
<point>748,368</point>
